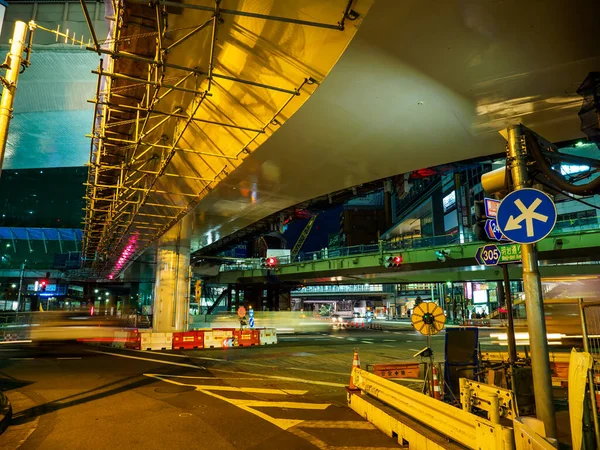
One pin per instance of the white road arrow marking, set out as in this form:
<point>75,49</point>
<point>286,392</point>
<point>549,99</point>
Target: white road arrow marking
<point>527,215</point>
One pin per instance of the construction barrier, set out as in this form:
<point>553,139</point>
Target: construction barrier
<point>134,340</point>
<point>246,338</point>
<point>187,340</point>
<point>218,338</point>
<point>156,341</point>
<point>267,336</point>
<point>195,339</point>
<point>120,339</point>
<point>398,370</point>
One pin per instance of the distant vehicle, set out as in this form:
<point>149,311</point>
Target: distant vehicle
<point>337,319</point>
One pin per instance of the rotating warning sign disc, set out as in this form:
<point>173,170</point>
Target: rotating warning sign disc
<point>428,318</point>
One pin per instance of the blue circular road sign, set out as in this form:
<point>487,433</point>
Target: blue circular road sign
<point>526,216</point>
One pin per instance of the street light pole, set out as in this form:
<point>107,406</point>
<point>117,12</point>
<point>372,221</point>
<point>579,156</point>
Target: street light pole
<point>536,322</point>
<point>20,287</point>
<point>13,67</point>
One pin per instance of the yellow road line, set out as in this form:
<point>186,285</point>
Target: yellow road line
<point>350,424</point>
<point>277,377</point>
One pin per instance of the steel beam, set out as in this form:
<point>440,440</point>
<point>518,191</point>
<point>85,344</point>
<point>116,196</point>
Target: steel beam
<point>234,12</point>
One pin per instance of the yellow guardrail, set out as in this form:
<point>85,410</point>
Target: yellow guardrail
<point>455,424</point>
<point>558,357</point>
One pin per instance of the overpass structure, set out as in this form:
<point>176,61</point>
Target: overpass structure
<point>568,252</point>
<point>285,101</point>
<point>211,115</point>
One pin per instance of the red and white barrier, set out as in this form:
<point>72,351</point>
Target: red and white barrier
<point>188,340</point>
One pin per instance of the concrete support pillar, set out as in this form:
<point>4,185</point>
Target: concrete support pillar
<point>171,290</point>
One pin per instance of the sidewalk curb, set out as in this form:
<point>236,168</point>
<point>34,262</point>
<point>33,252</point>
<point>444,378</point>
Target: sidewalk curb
<point>16,434</point>
<point>5,412</point>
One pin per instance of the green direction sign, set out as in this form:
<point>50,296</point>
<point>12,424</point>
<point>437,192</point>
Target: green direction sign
<point>494,254</point>
<point>509,253</point>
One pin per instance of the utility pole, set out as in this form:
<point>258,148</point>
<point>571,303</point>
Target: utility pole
<point>13,67</point>
<point>536,322</point>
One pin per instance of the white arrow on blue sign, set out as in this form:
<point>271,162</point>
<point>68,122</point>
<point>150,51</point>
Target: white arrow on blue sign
<point>526,216</point>
<point>488,255</point>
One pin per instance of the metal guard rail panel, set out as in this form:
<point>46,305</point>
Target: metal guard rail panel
<point>456,424</point>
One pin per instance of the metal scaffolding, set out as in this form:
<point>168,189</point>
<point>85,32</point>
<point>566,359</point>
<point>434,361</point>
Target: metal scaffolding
<point>157,137</point>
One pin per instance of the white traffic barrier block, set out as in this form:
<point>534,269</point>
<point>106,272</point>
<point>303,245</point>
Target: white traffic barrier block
<point>217,338</point>
<point>156,341</point>
<point>268,336</point>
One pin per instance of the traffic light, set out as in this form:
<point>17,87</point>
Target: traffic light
<point>198,290</point>
<point>480,221</point>
<point>393,261</point>
<point>441,255</point>
<point>268,263</point>
<point>44,282</point>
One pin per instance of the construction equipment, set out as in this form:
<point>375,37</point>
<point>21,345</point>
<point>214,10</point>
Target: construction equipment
<point>428,319</point>
<point>300,242</point>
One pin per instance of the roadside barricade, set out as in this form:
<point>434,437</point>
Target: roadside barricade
<point>156,341</point>
<point>246,338</point>
<point>134,340</point>
<point>398,370</point>
<point>188,340</point>
<point>120,339</point>
<point>216,338</point>
<point>267,336</point>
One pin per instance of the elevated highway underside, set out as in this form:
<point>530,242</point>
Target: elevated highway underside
<point>412,89</point>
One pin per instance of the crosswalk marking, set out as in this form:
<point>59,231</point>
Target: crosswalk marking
<point>250,405</point>
<point>278,377</point>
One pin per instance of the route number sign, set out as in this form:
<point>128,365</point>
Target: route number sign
<point>494,254</point>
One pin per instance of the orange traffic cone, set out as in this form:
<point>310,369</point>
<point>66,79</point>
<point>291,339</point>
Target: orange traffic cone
<point>437,394</point>
<point>355,364</point>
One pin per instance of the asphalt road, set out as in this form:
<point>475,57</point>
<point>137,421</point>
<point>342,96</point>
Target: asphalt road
<point>289,395</point>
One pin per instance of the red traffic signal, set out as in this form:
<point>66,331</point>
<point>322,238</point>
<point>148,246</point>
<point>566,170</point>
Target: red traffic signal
<point>269,262</point>
<point>393,261</point>
<point>43,284</point>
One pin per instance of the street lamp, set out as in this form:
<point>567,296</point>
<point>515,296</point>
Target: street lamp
<point>95,291</point>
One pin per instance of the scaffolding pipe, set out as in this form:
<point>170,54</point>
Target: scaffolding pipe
<point>13,61</point>
<point>234,12</point>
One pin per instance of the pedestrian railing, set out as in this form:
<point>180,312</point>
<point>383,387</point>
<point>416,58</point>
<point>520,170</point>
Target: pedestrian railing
<point>562,227</point>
